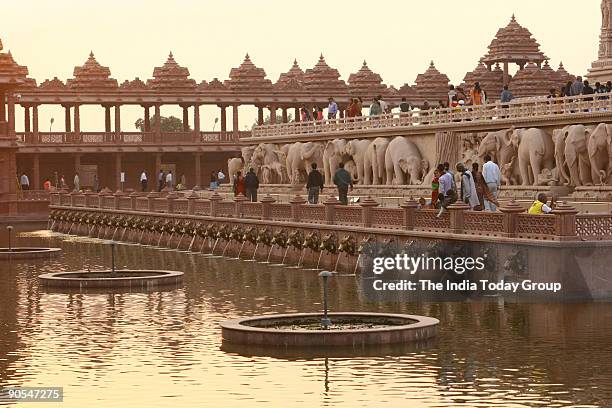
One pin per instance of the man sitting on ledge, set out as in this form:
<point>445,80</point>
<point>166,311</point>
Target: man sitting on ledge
<point>539,206</point>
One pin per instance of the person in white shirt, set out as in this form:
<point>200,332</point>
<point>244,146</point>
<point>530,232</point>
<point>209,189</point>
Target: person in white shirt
<point>77,182</point>
<point>446,193</point>
<point>143,181</point>
<point>24,181</point>
<point>492,176</point>
<point>384,106</point>
<point>220,177</point>
<point>468,195</point>
<point>169,181</point>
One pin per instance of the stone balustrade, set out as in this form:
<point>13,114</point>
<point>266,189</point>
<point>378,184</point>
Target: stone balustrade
<point>564,224</point>
<point>518,110</point>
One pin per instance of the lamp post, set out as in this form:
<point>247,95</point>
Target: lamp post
<point>215,125</point>
<point>51,124</point>
<point>325,321</point>
<point>10,233</point>
<point>113,272</point>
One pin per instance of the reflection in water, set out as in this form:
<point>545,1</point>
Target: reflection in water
<point>163,348</point>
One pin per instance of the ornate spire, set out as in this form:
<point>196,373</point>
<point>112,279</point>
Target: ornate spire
<point>295,74</point>
<point>11,73</point>
<point>492,82</point>
<point>323,79</point>
<point>366,83</point>
<point>514,43</point>
<point>91,76</point>
<point>530,81</point>
<point>432,85</point>
<point>248,78</point>
<point>171,77</point>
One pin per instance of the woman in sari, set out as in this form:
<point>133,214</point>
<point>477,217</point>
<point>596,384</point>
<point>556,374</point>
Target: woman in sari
<point>482,190</point>
<point>239,186</point>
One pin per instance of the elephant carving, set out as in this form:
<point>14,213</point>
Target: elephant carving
<point>509,174</point>
<point>300,156</point>
<point>559,136</point>
<point>234,165</point>
<point>535,150</point>
<point>577,155</point>
<point>374,162</point>
<point>333,155</point>
<point>351,167</point>
<point>404,158</point>
<point>497,145</point>
<point>600,153</point>
<point>264,153</point>
<point>247,154</point>
<point>357,150</point>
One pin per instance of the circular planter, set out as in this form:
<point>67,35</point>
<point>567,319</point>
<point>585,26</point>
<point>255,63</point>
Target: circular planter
<point>28,253</point>
<point>141,279</point>
<point>295,330</point>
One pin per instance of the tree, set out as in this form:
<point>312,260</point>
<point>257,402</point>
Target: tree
<point>168,124</point>
<point>279,119</point>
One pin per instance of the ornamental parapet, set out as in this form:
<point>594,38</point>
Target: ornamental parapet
<point>564,224</point>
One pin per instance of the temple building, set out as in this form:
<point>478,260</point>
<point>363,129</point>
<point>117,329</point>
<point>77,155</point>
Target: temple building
<point>601,70</point>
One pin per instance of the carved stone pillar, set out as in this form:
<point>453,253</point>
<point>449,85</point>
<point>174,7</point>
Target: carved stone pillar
<point>77,121</point>
<point>185,118</point>
<point>147,119</point>
<point>117,120</point>
<point>67,120</point>
<point>36,171</point>
<point>267,203</point>
<point>107,118</point>
<point>157,118</point>
<point>510,211</point>
<point>330,209</point>
<point>35,127</point>
<point>235,128</point>
<point>566,221</point>
<point>296,205</point>
<point>260,115</point>
<point>223,120</point>
<point>26,115</point>
<point>409,206</point>
<point>366,211</point>
<point>457,211</point>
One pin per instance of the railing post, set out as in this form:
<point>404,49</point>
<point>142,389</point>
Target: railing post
<point>191,199</point>
<point>170,200</point>
<point>457,211</point>
<point>214,201</point>
<point>54,198</point>
<point>71,196</point>
<point>117,199</point>
<point>566,221</point>
<point>238,200</point>
<point>133,196</point>
<point>151,200</point>
<point>410,206</point>
<point>330,209</point>
<point>267,201</point>
<point>366,211</point>
<point>510,211</point>
<point>296,205</point>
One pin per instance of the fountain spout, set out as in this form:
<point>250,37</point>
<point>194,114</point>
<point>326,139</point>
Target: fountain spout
<point>325,321</point>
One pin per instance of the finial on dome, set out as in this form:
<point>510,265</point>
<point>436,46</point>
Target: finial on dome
<point>91,54</point>
<point>295,61</point>
<point>560,64</point>
<point>246,57</point>
<point>365,64</point>
<point>431,64</point>
<point>321,57</point>
<point>170,55</point>
<point>513,19</point>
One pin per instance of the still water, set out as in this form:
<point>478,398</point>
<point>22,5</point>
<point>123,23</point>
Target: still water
<point>163,349</point>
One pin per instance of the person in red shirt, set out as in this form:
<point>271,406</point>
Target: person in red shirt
<point>239,186</point>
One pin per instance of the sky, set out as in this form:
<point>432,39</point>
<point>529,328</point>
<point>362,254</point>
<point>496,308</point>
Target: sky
<point>398,39</point>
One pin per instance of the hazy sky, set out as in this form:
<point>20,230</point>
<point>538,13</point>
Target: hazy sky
<point>397,38</point>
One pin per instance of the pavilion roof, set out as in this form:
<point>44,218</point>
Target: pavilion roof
<point>323,79</point>
<point>92,76</point>
<point>295,73</point>
<point>492,82</point>
<point>409,92</point>
<point>366,83</point>
<point>514,43</point>
<point>248,77</point>
<point>531,81</point>
<point>216,85</point>
<point>432,85</point>
<point>52,85</point>
<point>563,76</point>
<point>11,73</point>
<point>171,77</point>
<point>135,85</point>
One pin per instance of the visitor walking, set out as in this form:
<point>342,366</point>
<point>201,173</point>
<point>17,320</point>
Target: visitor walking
<point>506,95</point>
<point>143,181</point>
<point>314,185</point>
<point>469,194</point>
<point>319,114</point>
<point>95,184</point>
<point>539,206</point>
<point>63,184</point>
<point>452,95</point>
<point>384,106</point>
<point>404,106</point>
<point>169,181</point>
<point>213,180</point>
<point>24,181</point>
<point>161,178</point>
<point>77,182</point>
<point>47,185</point>
<point>353,109</point>
<point>184,181</point>
<point>343,180</point>
<point>477,95</point>
<point>251,184</point>
<point>447,195</point>
<point>375,108</point>
<point>577,87</point>
<point>492,176</point>
<point>220,177</point>
<point>239,187</point>
<point>435,188</point>
<point>448,170</point>
<point>332,109</point>
<point>587,89</point>
<point>305,114</point>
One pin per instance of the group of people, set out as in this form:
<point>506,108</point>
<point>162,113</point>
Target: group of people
<point>23,182</point>
<point>164,180</point>
<point>478,189</point>
<point>246,185</point>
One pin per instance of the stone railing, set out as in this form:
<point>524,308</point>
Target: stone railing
<point>564,224</point>
<point>128,138</point>
<point>520,109</point>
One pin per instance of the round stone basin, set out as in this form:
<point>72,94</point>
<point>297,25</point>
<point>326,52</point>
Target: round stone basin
<point>124,278</point>
<point>28,253</point>
<point>347,329</point>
